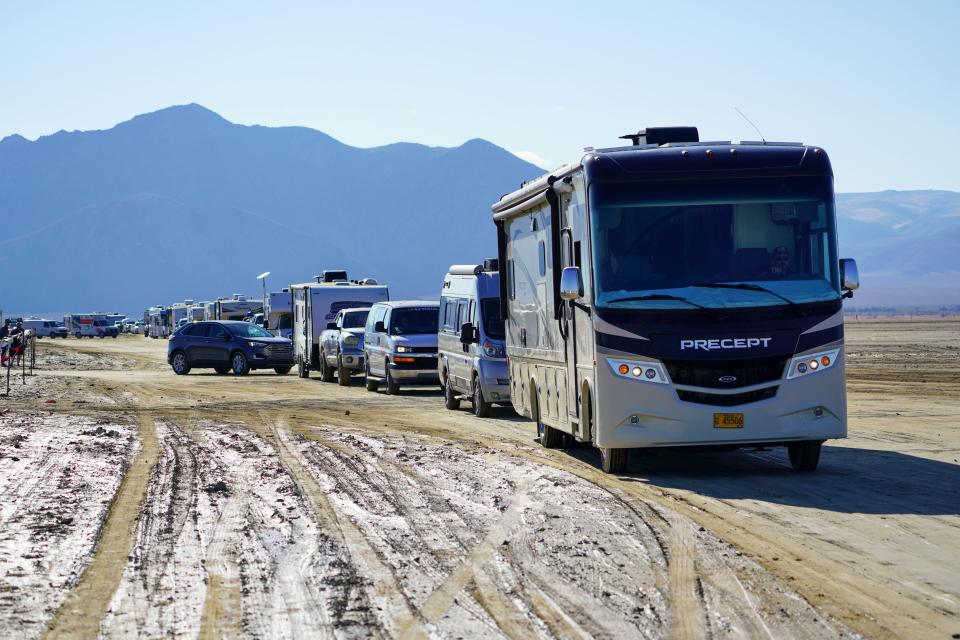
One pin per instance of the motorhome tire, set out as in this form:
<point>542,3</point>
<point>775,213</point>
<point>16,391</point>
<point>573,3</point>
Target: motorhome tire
<point>179,363</point>
<point>392,387</point>
<point>450,399</point>
<point>371,384</point>
<point>222,370</point>
<point>343,376</point>
<point>282,371</point>
<point>239,363</point>
<point>326,371</point>
<point>804,456</point>
<point>481,408</point>
<point>613,460</point>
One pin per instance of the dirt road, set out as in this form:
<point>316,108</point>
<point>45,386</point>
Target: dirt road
<point>271,506</point>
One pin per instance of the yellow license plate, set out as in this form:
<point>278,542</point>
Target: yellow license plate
<point>728,421</point>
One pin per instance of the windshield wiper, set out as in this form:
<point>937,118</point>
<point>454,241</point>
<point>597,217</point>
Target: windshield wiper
<point>746,286</point>
<point>660,296</point>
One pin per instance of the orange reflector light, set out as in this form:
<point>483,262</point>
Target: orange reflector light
<point>825,361</point>
<point>624,369</point>
<point>403,359</point>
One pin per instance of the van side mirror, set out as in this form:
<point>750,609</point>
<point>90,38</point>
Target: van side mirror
<point>331,325</point>
<point>571,283</point>
<point>379,328</point>
<point>849,276</point>
<point>468,334</point>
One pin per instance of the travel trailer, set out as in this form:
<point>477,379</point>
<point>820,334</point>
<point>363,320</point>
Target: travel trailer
<point>678,293</point>
<point>279,313</point>
<point>472,356</point>
<point>315,304</point>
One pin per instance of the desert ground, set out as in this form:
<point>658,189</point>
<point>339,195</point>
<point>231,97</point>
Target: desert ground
<point>138,503</point>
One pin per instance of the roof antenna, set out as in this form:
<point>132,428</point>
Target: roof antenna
<point>751,124</point>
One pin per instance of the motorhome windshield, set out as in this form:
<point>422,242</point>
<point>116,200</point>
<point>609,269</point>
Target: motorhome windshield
<point>684,245</point>
<point>355,319</point>
<point>414,320</point>
<point>492,322</point>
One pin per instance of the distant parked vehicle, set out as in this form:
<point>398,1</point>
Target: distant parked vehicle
<point>45,328</point>
<point>472,356</point>
<point>279,316</point>
<point>90,325</point>
<point>137,327</point>
<point>341,346</point>
<point>228,345</point>
<point>400,344</point>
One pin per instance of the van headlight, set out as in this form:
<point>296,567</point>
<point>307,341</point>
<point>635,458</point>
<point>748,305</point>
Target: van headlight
<point>351,341</point>
<point>493,350</point>
<point>403,349</point>
<point>806,365</point>
<point>639,370</point>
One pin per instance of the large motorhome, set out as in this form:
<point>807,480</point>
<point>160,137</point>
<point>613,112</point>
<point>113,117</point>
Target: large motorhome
<point>197,311</point>
<point>279,314</point>
<point>315,304</point>
<point>678,293</point>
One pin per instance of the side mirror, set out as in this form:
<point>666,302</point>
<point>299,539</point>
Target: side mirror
<point>467,333</point>
<point>571,283</point>
<point>379,328</point>
<point>331,325</point>
<point>849,277</point>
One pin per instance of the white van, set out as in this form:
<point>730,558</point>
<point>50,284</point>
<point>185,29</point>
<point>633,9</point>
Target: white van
<point>472,359</point>
<point>45,328</point>
<point>400,344</point>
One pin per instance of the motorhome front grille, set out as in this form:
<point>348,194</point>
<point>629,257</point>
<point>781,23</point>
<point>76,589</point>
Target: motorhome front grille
<point>727,400</point>
<point>725,374</point>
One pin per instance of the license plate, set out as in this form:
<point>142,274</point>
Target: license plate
<point>728,421</point>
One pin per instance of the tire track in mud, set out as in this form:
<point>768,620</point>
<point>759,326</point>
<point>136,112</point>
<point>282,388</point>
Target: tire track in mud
<point>85,606</point>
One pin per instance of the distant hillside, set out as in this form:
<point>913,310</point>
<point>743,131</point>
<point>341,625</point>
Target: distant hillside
<point>182,203</point>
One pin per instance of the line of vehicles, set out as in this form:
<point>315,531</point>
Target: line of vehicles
<point>666,293</point>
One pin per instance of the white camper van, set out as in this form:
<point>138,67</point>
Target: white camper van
<point>315,304</point>
<point>472,357</point>
<point>678,293</point>
<point>279,313</point>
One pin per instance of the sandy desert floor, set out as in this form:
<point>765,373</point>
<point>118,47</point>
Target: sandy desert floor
<point>137,503</point>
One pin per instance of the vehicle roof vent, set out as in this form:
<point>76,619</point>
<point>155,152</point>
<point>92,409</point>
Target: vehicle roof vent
<point>662,135</point>
<point>491,264</point>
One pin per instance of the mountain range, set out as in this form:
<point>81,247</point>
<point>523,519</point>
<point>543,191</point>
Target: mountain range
<point>181,203</point>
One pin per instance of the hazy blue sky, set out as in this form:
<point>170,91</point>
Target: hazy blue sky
<point>876,83</point>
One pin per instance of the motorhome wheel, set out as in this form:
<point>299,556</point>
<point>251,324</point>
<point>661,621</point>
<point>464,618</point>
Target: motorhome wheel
<point>804,456</point>
<point>613,460</point>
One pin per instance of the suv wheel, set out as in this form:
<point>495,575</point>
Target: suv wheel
<point>179,363</point>
<point>239,364</point>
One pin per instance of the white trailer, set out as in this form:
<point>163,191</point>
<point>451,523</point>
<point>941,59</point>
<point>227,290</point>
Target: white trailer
<point>279,313</point>
<point>315,304</point>
<point>236,307</point>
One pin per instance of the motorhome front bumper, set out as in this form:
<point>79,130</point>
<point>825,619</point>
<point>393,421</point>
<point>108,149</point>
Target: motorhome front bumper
<point>633,413</point>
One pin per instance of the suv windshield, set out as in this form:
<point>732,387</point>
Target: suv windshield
<point>490,316</point>
<point>248,330</point>
<point>653,242</point>
<point>407,321</point>
<point>355,319</point>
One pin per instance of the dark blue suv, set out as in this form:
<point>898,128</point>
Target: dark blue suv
<point>228,345</point>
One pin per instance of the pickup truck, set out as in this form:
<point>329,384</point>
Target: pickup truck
<point>341,346</point>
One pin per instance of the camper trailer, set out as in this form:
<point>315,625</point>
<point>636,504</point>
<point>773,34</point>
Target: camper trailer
<point>180,313</point>
<point>159,322</point>
<point>677,293</point>
<point>237,307</point>
<point>197,311</point>
<point>315,304</point>
<point>279,314</point>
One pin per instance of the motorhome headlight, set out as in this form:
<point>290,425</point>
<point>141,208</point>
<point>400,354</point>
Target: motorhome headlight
<point>403,349</point>
<point>493,350</point>
<point>642,371</point>
<point>352,341</point>
<point>812,363</point>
